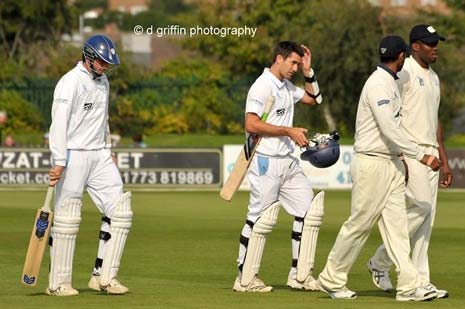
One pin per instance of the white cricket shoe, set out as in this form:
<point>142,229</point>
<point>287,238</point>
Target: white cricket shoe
<point>94,283</point>
<point>421,293</point>
<point>380,278</point>
<point>308,285</point>
<point>256,285</point>
<point>440,293</point>
<point>345,293</point>
<point>114,288</point>
<point>63,289</point>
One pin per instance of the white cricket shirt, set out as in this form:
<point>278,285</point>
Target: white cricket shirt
<point>282,113</point>
<point>79,114</point>
<point>421,95</point>
<point>377,127</point>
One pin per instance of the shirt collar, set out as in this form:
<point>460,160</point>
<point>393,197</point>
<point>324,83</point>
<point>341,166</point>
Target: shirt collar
<point>82,68</point>
<point>273,78</point>
<point>417,65</point>
<point>394,75</point>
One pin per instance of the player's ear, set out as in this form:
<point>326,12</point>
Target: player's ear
<point>279,59</point>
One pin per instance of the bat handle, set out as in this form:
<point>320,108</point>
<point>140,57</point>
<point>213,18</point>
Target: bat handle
<point>48,199</point>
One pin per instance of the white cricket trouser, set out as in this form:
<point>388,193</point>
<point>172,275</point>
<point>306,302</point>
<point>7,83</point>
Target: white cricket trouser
<point>421,194</point>
<point>378,196</point>
<point>95,170</point>
<point>272,179</point>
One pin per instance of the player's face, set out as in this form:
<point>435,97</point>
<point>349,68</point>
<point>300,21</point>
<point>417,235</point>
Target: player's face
<point>100,66</point>
<point>428,52</point>
<point>290,65</point>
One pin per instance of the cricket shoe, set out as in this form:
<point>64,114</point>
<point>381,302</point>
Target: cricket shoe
<point>94,283</point>
<point>63,289</point>
<point>380,278</point>
<point>440,293</point>
<point>114,288</point>
<point>344,293</point>
<point>256,285</point>
<point>308,284</point>
<point>421,293</point>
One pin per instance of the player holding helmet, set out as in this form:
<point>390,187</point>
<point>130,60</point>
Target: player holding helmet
<point>276,175</point>
<point>81,158</point>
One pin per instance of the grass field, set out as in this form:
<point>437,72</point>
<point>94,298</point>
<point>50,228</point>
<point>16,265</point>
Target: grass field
<point>182,249</point>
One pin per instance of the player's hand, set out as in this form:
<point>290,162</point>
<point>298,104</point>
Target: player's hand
<point>306,60</point>
<point>54,175</point>
<point>298,135</point>
<point>431,161</point>
<point>447,177</point>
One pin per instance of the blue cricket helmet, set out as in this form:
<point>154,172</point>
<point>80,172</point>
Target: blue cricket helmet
<point>102,47</point>
<point>323,151</point>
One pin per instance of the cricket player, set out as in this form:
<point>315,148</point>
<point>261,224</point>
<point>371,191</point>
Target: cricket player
<point>378,192</point>
<point>419,88</point>
<point>81,158</point>
<point>276,175</point>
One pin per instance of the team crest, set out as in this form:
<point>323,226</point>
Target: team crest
<point>87,106</point>
<point>280,112</point>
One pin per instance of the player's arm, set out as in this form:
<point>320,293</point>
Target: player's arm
<point>383,112</point>
<point>447,177</point>
<point>62,99</point>
<point>254,125</point>
<point>312,93</point>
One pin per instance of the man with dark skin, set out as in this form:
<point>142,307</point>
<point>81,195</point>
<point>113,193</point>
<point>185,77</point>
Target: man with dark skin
<point>420,91</point>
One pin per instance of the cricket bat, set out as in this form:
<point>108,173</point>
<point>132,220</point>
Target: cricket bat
<point>245,157</point>
<point>39,238</point>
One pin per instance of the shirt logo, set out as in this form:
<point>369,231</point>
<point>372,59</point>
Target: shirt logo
<point>280,112</point>
<point>87,106</point>
<point>421,81</point>
<point>382,102</point>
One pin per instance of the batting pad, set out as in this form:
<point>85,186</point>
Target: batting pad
<point>119,229</point>
<point>64,232</point>
<point>253,257</point>
<point>312,223</point>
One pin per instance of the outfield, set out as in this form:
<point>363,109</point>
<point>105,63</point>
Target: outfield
<point>181,254</point>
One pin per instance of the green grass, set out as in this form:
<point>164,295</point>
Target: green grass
<point>181,254</point>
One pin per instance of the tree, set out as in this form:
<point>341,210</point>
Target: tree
<point>343,36</point>
<point>25,23</point>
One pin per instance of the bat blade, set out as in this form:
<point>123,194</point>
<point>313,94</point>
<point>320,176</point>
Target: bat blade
<point>37,242</point>
<point>241,166</point>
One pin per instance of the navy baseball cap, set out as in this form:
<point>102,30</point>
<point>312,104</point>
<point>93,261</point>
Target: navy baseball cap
<point>391,46</point>
<point>425,33</point>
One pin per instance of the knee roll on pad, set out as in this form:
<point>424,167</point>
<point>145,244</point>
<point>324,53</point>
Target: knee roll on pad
<point>312,222</point>
<point>261,228</point>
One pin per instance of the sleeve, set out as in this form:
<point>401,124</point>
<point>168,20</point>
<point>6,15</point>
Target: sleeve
<point>297,92</point>
<point>61,109</point>
<point>403,83</point>
<point>384,114</point>
<point>107,128</point>
<point>257,97</point>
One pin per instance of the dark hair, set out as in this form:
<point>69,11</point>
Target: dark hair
<point>286,48</point>
<point>388,59</point>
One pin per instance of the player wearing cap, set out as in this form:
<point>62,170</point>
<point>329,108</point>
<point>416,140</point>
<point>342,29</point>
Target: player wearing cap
<point>81,158</point>
<point>378,192</point>
<point>419,88</point>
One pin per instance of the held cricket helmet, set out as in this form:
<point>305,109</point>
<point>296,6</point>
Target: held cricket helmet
<point>323,150</point>
<point>99,47</point>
